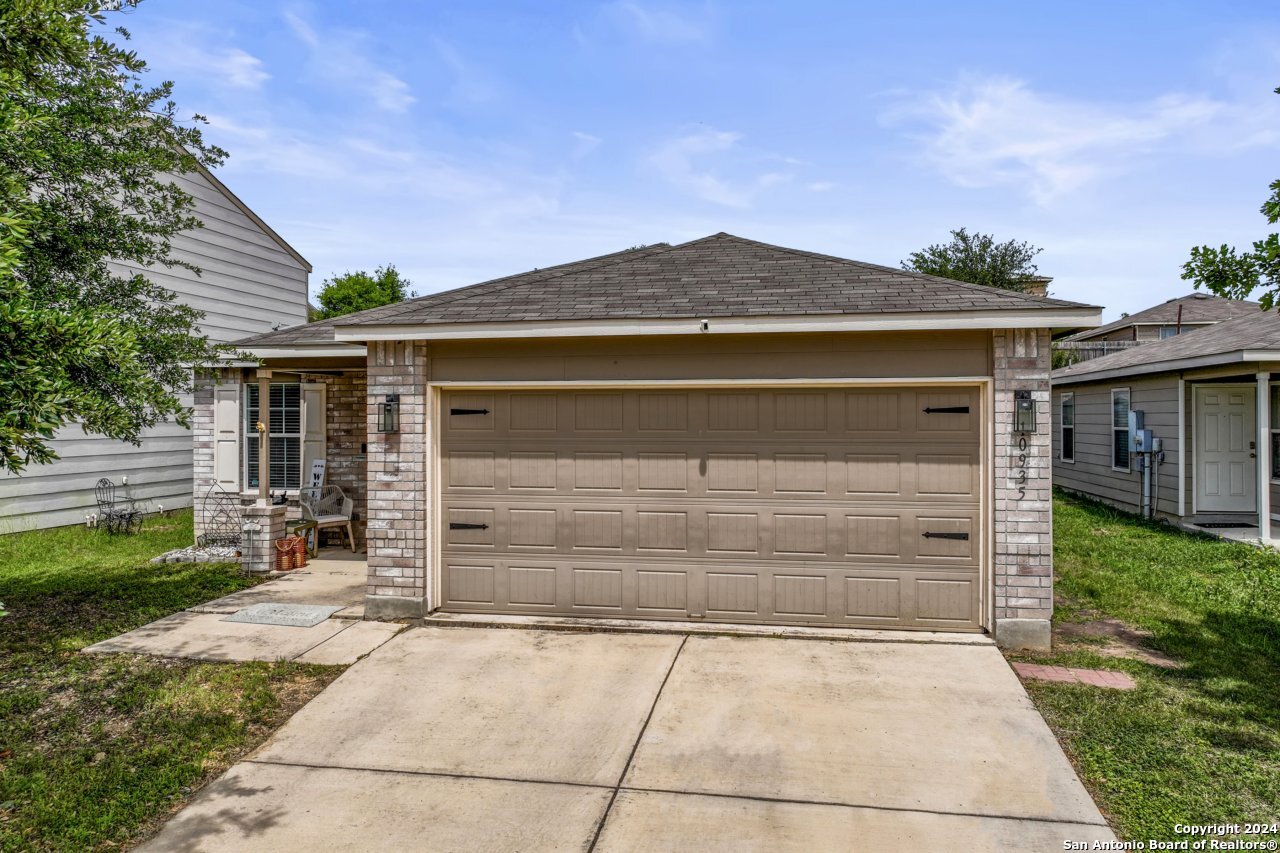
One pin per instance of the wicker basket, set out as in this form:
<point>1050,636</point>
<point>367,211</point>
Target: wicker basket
<point>284,554</point>
<point>299,552</point>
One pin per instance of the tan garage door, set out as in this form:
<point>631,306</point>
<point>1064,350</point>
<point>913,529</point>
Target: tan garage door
<point>842,506</point>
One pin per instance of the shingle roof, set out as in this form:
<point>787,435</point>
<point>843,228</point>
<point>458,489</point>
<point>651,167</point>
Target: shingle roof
<point>1196,308</point>
<point>716,276</point>
<point>1259,330</point>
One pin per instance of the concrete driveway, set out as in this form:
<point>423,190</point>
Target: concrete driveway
<point>490,739</point>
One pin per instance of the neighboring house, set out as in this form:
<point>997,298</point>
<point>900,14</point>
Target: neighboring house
<point>1209,396</point>
<point>252,281</point>
<point>721,430</point>
<point>1166,320</point>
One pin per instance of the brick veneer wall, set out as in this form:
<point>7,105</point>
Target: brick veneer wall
<point>398,475</point>
<point>202,436</point>
<point>346,433</point>
<point>1022,549</point>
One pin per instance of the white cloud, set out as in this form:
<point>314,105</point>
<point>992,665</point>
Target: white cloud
<point>820,186</point>
<point>660,24</point>
<point>680,160</point>
<point>469,83</point>
<point>584,144</point>
<point>987,131</point>
<point>338,58</point>
<point>186,48</point>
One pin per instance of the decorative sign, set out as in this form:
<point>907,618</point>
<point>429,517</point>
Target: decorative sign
<point>317,473</point>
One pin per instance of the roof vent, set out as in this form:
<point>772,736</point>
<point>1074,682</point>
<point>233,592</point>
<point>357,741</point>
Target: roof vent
<point>1199,296</point>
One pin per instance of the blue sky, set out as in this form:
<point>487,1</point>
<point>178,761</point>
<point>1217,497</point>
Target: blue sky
<point>462,141</point>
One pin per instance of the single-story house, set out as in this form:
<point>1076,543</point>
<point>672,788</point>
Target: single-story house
<point>1208,397</point>
<point>1166,320</point>
<point>721,430</point>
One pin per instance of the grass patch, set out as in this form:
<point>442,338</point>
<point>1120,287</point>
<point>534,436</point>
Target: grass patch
<point>1198,742</point>
<point>97,750</point>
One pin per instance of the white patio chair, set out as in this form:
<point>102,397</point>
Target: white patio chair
<point>328,506</point>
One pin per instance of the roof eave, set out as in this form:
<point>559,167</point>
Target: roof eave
<point>1052,318</point>
<point>1170,365</point>
<point>328,350</point>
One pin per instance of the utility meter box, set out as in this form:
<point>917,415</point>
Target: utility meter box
<point>1141,441</point>
<point>1137,420</point>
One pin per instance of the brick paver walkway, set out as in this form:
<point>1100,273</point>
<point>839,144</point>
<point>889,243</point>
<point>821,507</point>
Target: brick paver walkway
<point>1092,677</point>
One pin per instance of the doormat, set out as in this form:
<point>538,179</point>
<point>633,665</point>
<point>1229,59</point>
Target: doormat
<point>1225,525</point>
<point>288,615</point>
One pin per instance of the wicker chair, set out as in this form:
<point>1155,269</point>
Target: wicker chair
<point>328,506</point>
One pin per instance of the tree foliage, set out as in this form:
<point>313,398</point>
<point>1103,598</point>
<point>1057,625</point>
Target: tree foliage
<point>358,291</point>
<point>86,205</point>
<point>979,259</point>
<point>1237,274</point>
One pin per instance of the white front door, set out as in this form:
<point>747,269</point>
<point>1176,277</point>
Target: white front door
<point>1226,449</point>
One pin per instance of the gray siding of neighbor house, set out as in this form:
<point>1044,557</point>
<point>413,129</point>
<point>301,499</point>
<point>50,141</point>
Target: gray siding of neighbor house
<point>1091,473</point>
<point>249,284</point>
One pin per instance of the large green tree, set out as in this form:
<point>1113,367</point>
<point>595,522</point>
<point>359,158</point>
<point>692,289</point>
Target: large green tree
<point>87,203</point>
<point>979,259</point>
<point>1237,274</point>
<point>357,291</point>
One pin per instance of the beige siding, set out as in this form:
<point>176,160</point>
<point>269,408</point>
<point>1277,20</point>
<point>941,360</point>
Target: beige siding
<point>1091,473</point>
<point>861,355</point>
<point>248,284</point>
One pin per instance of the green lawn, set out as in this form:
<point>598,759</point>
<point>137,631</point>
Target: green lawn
<point>1199,743</point>
<point>96,750</point>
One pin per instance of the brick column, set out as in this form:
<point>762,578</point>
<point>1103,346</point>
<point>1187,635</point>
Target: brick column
<point>397,533</point>
<point>1022,550</point>
<point>202,443</point>
<point>263,525</point>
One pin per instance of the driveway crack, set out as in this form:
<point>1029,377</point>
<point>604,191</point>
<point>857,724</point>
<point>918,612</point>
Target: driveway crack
<point>613,796</point>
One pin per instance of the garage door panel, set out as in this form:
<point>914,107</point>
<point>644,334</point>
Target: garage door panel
<point>470,413</point>
<point>933,472</point>
<point>531,587</point>
<point>870,596</point>
<point>796,506</point>
<point>745,530</point>
<point>665,591</point>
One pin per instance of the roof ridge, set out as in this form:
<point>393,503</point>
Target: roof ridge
<point>982,288</point>
<point>504,282</point>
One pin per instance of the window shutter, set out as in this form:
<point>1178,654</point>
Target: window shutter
<point>226,436</point>
<point>313,426</point>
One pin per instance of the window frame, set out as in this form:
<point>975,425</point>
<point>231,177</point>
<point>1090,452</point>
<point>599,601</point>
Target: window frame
<point>250,434</point>
<point>1116,430</point>
<point>1063,426</point>
<point>1167,332</point>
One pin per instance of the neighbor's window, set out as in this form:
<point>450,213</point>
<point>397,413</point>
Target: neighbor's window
<point>1275,432</point>
<point>284,432</point>
<point>1067,428</point>
<point>1168,332</point>
<point>1120,429</point>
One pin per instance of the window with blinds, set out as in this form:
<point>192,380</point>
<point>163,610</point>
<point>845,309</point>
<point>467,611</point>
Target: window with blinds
<point>284,435</point>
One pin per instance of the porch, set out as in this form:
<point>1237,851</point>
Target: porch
<point>1232,427</point>
<point>218,630</point>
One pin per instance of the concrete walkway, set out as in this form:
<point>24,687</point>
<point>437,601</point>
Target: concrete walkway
<point>496,739</point>
<point>336,579</point>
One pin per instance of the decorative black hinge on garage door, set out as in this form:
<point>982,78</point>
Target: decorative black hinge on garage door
<point>462,525</point>
<point>481,411</point>
<point>929,534</point>
<point>947,410</point>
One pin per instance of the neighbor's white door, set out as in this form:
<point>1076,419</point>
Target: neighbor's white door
<point>1226,449</point>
